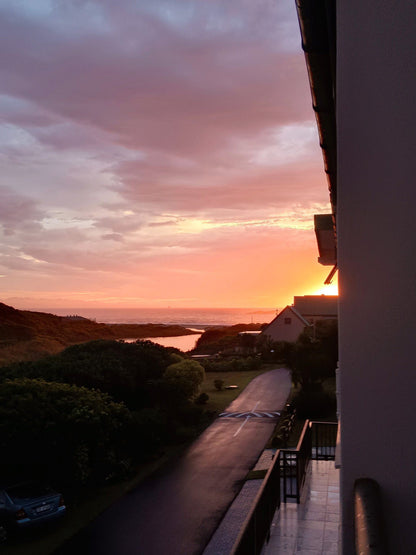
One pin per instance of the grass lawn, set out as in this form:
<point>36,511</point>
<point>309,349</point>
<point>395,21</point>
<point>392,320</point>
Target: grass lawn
<point>219,400</point>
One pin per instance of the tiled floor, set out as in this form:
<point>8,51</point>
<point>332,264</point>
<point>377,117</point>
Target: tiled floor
<point>312,527</point>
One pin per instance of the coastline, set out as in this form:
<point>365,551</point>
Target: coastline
<point>30,335</point>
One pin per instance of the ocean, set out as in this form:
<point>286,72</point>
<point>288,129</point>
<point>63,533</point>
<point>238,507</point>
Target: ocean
<point>188,317</point>
<point>194,318</point>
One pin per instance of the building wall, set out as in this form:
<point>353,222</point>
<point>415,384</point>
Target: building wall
<point>278,330</point>
<point>376,117</point>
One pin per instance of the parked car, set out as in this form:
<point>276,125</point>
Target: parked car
<point>29,504</point>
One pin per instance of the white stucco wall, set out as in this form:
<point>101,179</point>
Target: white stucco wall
<point>279,331</point>
<point>376,112</point>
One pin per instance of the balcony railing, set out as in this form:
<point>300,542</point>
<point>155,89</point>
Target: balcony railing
<point>294,465</point>
<point>324,439</point>
<point>256,528</point>
<point>289,469</point>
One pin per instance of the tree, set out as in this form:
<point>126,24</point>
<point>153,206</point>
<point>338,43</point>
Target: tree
<point>185,378</point>
<point>310,367</point>
<point>314,356</point>
<point>129,372</point>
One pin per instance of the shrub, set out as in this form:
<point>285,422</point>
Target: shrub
<point>219,384</point>
<point>71,434</point>
<point>184,378</point>
<point>202,399</point>
<point>231,364</point>
<point>127,371</point>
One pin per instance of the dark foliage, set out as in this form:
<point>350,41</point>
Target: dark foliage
<point>314,404</point>
<point>231,364</point>
<point>129,372</point>
<point>68,434</point>
<point>202,399</point>
<point>313,358</point>
<point>219,384</point>
<point>184,379</point>
<point>222,338</point>
<point>94,410</point>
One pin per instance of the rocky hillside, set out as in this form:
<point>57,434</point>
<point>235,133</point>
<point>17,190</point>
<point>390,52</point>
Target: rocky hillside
<point>26,335</point>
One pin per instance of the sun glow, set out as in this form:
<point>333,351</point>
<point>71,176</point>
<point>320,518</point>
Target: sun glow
<point>331,289</point>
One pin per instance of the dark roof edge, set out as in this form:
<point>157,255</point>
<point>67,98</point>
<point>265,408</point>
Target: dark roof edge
<point>317,27</point>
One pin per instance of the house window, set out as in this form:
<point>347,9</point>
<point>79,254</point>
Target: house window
<point>288,320</point>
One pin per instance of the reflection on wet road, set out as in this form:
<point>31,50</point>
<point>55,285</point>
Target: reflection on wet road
<point>176,511</point>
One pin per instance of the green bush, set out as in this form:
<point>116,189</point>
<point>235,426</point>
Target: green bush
<point>129,372</point>
<point>89,413</point>
<point>70,434</point>
<point>184,378</point>
<point>231,364</point>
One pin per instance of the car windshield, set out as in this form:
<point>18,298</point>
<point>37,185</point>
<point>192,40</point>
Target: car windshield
<point>28,491</point>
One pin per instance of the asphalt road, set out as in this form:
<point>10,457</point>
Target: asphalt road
<point>176,511</point>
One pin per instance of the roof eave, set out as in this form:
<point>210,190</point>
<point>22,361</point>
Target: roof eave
<point>317,26</point>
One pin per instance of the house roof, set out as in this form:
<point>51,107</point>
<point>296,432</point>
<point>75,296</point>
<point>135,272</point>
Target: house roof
<point>293,311</point>
<point>316,305</point>
<point>317,27</point>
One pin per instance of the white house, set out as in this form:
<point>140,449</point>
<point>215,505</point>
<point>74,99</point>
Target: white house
<point>305,312</point>
<point>287,326</point>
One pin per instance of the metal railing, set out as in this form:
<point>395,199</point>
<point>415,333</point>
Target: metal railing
<point>370,537</point>
<point>294,465</point>
<point>324,440</point>
<point>285,477</point>
<point>256,528</point>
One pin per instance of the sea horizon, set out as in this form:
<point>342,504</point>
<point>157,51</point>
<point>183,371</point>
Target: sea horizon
<point>187,317</point>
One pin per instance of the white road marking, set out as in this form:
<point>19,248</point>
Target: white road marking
<point>259,414</point>
<point>241,427</point>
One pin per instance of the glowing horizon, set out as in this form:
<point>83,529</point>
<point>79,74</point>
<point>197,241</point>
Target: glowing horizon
<point>177,163</point>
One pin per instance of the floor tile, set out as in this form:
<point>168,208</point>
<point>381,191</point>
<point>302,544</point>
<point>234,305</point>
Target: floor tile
<point>311,527</point>
<point>309,543</point>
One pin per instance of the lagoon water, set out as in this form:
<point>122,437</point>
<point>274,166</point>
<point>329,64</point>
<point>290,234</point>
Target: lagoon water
<point>182,342</point>
<point>195,318</point>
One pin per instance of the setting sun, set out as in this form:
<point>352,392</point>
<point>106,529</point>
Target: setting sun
<point>331,289</point>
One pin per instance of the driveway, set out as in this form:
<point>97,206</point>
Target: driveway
<point>176,510</point>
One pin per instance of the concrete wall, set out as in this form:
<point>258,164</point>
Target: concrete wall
<point>376,113</point>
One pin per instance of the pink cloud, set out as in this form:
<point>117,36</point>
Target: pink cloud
<point>18,211</point>
<point>125,121</point>
<point>160,87</point>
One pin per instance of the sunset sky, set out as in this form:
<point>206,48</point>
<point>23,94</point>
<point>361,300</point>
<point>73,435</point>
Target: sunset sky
<point>156,153</point>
